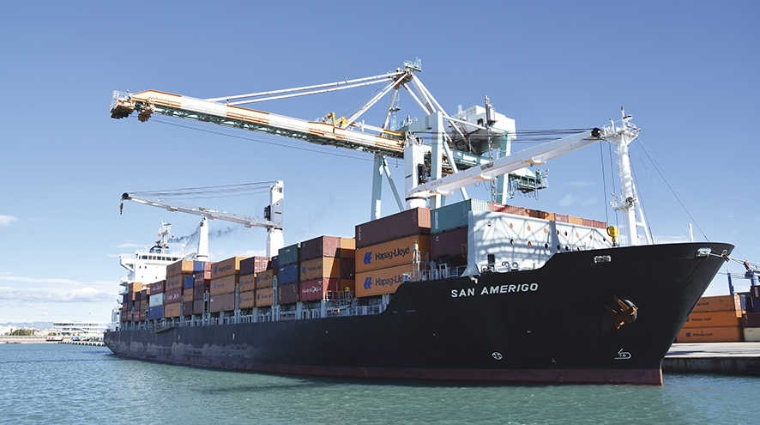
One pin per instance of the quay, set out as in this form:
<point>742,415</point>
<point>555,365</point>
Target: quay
<point>723,358</point>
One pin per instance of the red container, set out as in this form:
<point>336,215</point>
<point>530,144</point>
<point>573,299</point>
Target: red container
<point>187,308</point>
<point>157,287</point>
<point>449,247</point>
<point>201,277</point>
<point>222,302</point>
<point>751,320</point>
<point>198,292</point>
<point>316,289</point>
<point>172,296</point>
<point>323,246</point>
<point>198,307</point>
<point>253,265</point>
<point>287,294</point>
<point>406,223</point>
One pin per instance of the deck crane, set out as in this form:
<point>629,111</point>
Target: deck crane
<point>272,217</point>
<point>467,139</point>
<point>621,135</point>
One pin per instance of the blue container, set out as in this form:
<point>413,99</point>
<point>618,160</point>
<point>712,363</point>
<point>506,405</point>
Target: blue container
<point>199,266</point>
<point>287,274</point>
<point>156,312</point>
<point>455,216</point>
<point>189,282</point>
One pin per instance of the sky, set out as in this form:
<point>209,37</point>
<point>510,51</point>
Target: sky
<point>686,71</point>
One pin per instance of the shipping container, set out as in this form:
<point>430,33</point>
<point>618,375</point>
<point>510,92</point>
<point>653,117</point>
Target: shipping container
<point>288,255</point>
<point>392,253</point>
<point>415,221</point>
<point>247,282</point>
<point>156,300</point>
<point>450,247</point>
<point>320,267</point>
<point>751,319</point>
<point>198,292</point>
<point>180,267</point>
<point>142,315</point>
<point>200,277</point>
<point>187,308</point>
<point>347,252</point>
<point>155,312</point>
<point>201,266</point>
<point>226,267</point>
<point>287,293</point>
<point>198,306</point>
<point>507,209</point>
<point>718,303</point>
<point>222,302</point>
<point>710,319</point>
<point>574,220</point>
<point>264,297</point>
<point>247,299</point>
<point>454,216</point>
<point>187,296</point>
<point>316,289</point>
<point>156,287</point>
<point>253,265</point>
<point>719,334</point>
<point>323,246</point>
<point>188,281</point>
<point>223,285</point>
<point>382,281</point>
<point>347,243</point>
<point>172,310</point>
<point>172,296</point>
<point>347,268</point>
<point>752,334</point>
<point>175,281</point>
<point>265,279</point>
<point>288,274</point>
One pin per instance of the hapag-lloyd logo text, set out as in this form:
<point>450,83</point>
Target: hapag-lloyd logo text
<point>386,255</point>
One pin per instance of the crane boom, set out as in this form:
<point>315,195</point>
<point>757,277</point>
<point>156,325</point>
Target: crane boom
<point>272,222</point>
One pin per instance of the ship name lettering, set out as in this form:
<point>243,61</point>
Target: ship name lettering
<point>469,292</point>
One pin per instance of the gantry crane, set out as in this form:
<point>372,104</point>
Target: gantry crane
<point>472,146</point>
<point>272,220</point>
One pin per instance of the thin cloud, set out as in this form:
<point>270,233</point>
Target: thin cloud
<point>571,200</point>
<point>30,289</point>
<point>6,220</point>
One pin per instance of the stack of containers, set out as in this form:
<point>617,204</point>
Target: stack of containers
<point>385,250</point>
<point>175,282</point>
<point>141,305</point>
<point>225,276</point>
<point>449,228</point>
<point>714,319</point>
<point>287,274</point>
<point>156,300</point>
<point>201,285</point>
<point>249,270</point>
<point>751,319</point>
<point>321,264</point>
<point>264,294</point>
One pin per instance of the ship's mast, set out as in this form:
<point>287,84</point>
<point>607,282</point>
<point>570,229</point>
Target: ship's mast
<point>629,203</point>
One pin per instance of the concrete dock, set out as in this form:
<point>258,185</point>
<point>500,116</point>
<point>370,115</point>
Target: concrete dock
<point>724,358</point>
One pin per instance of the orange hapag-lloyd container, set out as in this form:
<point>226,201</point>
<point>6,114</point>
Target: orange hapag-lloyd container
<point>265,279</point>
<point>226,267</point>
<point>382,281</point>
<point>247,299</point>
<point>709,319</point>
<point>320,267</point>
<point>248,282</point>
<point>264,297</point>
<point>172,310</point>
<point>712,334</point>
<point>392,253</point>
<point>718,303</point>
<point>224,285</point>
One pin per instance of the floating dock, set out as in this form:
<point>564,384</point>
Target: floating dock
<point>724,358</point>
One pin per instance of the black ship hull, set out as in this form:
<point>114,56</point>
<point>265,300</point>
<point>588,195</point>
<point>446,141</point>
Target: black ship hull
<point>560,323</point>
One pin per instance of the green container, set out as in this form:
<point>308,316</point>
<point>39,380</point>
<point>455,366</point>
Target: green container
<point>288,255</point>
<point>454,216</point>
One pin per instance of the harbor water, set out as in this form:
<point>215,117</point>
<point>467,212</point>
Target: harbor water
<point>65,384</point>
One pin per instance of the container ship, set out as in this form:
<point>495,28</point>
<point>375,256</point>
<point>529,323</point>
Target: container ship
<point>472,291</point>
